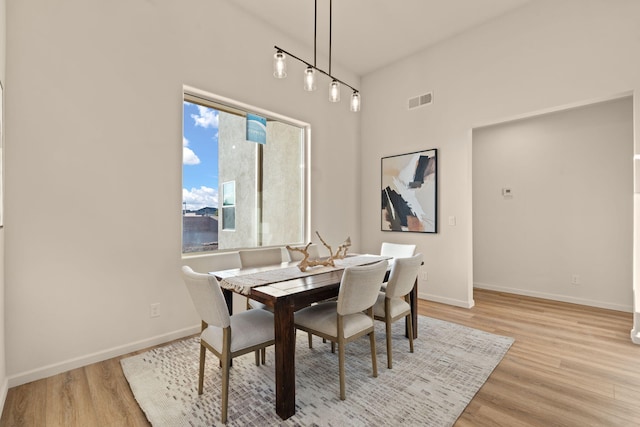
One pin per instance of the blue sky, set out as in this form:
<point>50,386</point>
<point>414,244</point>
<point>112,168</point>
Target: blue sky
<point>199,156</point>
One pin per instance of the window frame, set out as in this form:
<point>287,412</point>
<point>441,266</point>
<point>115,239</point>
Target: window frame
<point>217,102</point>
<point>230,206</point>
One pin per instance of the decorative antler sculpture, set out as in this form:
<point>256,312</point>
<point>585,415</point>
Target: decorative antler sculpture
<point>306,262</point>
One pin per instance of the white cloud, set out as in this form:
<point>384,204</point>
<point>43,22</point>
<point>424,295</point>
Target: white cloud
<point>188,156</point>
<point>197,198</point>
<point>206,117</point>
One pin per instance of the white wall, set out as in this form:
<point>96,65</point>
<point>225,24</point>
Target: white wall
<point>3,370</point>
<point>548,54</point>
<point>93,165</point>
<point>571,207</point>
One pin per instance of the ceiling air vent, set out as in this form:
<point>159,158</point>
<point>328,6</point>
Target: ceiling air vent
<point>421,100</point>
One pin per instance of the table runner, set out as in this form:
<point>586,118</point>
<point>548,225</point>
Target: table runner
<point>243,283</point>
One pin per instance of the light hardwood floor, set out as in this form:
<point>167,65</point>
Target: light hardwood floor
<point>570,365</point>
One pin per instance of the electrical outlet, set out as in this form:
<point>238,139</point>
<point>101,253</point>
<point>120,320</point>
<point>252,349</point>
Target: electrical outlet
<point>575,279</point>
<point>154,310</point>
<point>423,276</point>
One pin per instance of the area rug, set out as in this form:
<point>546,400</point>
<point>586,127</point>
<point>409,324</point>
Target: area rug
<point>430,387</point>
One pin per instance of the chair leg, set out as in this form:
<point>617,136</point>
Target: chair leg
<point>341,363</point>
<point>263,353</point>
<point>203,354</point>
<point>333,347</point>
<point>410,324</point>
<point>341,345</point>
<point>374,360</point>
<point>389,354</point>
<point>225,387</point>
<point>310,339</point>
<point>257,352</point>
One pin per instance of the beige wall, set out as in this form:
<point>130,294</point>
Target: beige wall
<point>571,207</point>
<point>94,146</point>
<point>547,55</point>
<point>3,370</point>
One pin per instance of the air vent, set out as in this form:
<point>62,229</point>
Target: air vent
<point>421,100</point>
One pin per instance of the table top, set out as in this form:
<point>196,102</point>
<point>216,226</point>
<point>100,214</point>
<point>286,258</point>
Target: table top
<point>286,279</point>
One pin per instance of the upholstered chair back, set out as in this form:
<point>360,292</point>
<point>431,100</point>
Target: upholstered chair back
<point>403,276</point>
<point>207,297</point>
<point>359,287</point>
<point>260,257</point>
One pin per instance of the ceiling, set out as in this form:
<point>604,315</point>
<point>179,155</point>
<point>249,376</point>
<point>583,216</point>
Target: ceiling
<point>369,34</point>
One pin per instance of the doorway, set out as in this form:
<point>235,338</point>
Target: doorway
<point>553,205</point>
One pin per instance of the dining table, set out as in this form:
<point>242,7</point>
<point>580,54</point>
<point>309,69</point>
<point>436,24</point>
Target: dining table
<point>284,289</point>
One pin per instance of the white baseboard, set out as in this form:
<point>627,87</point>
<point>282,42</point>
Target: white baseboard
<point>78,362</point>
<point>443,300</point>
<point>635,332</point>
<point>3,393</point>
<point>555,297</point>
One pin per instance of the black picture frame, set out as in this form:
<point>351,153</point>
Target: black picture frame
<point>409,184</point>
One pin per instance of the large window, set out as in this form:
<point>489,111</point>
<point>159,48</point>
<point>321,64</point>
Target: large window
<point>237,193</point>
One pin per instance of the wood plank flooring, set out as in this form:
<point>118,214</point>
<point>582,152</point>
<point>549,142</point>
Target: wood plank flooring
<point>570,365</point>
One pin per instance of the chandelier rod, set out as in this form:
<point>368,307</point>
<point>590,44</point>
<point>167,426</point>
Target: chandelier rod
<point>330,17</point>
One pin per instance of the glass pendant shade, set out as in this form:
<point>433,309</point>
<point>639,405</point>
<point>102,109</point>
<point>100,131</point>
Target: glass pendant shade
<point>334,91</point>
<point>279,65</point>
<point>309,79</point>
<point>355,102</point>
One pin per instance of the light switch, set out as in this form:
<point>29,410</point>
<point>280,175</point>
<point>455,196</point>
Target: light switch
<point>452,220</point>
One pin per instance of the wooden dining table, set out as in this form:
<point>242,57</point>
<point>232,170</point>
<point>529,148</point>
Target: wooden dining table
<point>285,297</point>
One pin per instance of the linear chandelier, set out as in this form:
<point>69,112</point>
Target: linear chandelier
<point>280,67</point>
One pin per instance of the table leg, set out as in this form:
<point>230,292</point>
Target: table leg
<point>285,359</point>
<point>228,297</point>
<point>413,301</point>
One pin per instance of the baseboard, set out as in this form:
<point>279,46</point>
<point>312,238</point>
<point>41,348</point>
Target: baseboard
<point>448,301</point>
<point>3,393</point>
<point>635,332</point>
<point>78,362</point>
<point>555,297</point>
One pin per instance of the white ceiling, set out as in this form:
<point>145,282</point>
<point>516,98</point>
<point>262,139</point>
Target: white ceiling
<point>369,34</point>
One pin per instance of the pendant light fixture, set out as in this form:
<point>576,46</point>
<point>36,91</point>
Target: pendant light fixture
<point>310,79</point>
<point>280,67</point>
<point>355,101</point>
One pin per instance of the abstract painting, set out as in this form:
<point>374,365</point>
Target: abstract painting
<point>409,189</point>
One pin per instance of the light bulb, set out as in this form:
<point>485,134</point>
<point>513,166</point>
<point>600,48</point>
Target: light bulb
<point>279,65</point>
<point>355,101</point>
<point>309,79</point>
<point>334,91</point>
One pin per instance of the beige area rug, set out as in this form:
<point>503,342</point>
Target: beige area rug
<point>430,387</point>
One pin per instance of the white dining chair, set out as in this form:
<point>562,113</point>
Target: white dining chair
<point>345,320</point>
<point>224,335</point>
<point>393,304</point>
<point>313,251</point>
<point>262,257</point>
<point>397,250</point>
